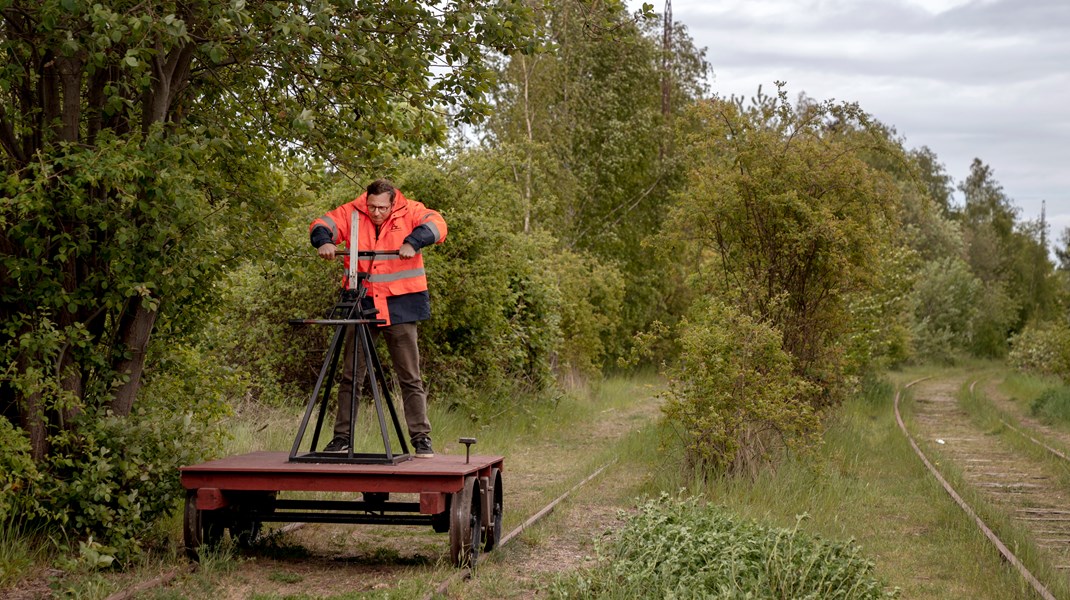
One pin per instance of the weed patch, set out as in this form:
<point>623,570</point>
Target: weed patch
<point>1052,406</point>
<point>680,549</point>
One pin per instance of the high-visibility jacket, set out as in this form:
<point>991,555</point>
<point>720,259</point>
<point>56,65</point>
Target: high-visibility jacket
<point>396,286</point>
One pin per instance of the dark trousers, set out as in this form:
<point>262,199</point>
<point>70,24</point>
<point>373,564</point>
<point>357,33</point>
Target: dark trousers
<point>405,354</point>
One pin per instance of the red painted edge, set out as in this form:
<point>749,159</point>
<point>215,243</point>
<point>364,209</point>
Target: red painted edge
<point>432,503</point>
<point>210,498</point>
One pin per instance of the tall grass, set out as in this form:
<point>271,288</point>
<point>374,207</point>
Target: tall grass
<point>20,551</point>
<point>866,484</point>
<point>1047,398</point>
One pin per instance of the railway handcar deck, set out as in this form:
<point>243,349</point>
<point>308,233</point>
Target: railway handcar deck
<point>458,494</point>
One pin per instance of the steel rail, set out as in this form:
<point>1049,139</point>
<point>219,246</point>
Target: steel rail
<point>1026,435</point>
<point>992,537</point>
<point>466,573</point>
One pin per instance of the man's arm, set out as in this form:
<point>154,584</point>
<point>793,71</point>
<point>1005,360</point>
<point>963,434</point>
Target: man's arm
<point>320,235</point>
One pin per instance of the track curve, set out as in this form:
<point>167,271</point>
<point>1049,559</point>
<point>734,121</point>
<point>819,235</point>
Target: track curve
<point>1011,482</point>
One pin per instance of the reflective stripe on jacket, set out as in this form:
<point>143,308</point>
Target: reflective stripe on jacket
<point>388,276</point>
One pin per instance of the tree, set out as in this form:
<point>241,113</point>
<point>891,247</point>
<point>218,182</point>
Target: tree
<point>933,176</point>
<point>142,143</point>
<point>1005,254</point>
<point>584,137</point>
<point>783,217</point>
<point>1062,251</point>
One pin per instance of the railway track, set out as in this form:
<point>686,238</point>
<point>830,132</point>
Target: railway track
<point>1033,494</point>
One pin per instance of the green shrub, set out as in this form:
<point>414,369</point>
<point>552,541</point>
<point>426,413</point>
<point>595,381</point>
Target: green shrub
<point>732,395</point>
<point>945,298</point>
<point>19,476</point>
<point>251,333</point>
<point>109,481</point>
<point>1052,405</point>
<point>1042,349</point>
<point>681,549</point>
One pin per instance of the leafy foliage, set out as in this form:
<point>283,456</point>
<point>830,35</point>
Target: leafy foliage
<point>142,150</point>
<point>583,135</point>
<point>783,216</point>
<point>945,298</point>
<point>19,476</point>
<point>1042,349</point>
<point>681,549</point>
<point>116,477</point>
<point>733,396</point>
<point>508,307</point>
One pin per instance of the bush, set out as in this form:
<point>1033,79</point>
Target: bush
<point>1042,349</point>
<point>112,479</point>
<point>733,394</point>
<point>945,298</point>
<point>1052,406</point>
<point>679,549</point>
<point>251,332</point>
<point>19,476</point>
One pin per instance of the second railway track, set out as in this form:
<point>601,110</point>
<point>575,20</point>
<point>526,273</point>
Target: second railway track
<point>1032,492</point>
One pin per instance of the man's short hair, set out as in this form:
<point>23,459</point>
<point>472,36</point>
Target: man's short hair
<point>381,186</point>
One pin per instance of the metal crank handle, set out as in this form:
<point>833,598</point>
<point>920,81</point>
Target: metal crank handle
<point>368,253</point>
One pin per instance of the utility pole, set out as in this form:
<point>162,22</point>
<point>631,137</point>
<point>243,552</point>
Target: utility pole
<point>666,61</point>
<point>666,77</point>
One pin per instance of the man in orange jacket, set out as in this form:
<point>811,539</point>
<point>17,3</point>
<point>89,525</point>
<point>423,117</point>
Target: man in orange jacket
<point>396,286</point>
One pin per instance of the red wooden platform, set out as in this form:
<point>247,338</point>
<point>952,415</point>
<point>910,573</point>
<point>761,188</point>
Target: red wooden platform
<point>238,493</point>
<point>272,472</point>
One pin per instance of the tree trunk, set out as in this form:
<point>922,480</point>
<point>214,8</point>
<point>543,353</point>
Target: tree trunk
<point>135,329</point>
<point>32,417</point>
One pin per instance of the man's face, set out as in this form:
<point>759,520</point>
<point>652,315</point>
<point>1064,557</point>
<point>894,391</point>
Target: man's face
<point>379,207</point>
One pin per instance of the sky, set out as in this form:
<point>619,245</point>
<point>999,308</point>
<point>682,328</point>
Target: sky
<point>986,79</point>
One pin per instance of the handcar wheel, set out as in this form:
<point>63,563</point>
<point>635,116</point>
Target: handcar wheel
<point>244,528</point>
<point>191,526</point>
<point>493,529</point>
<point>465,526</point>
<point>245,533</point>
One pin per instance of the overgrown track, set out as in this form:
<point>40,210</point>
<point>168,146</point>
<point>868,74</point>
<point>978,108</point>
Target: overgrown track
<point>534,518</point>
<point>1023,488</point>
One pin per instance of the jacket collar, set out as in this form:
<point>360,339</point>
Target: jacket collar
<point>361,203</point>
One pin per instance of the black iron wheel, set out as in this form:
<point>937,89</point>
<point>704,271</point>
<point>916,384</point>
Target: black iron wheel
<point>200,528</point>
<point>466,531</point>
<point>492,533</point>
<point>191,526</point>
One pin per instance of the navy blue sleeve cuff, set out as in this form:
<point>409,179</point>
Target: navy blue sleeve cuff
<point>420,237</point>
<point>319,236</point>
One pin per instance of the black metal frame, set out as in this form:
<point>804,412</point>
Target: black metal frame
<point>339,511</point>
<point>348,314</point>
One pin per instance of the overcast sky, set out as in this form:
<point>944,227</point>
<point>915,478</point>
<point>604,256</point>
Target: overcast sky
<point>967,78</point>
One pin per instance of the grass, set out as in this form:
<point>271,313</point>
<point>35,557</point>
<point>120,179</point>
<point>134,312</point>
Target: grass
<point>866,484</point>
<point>676,547</point>
<point>20,551</point>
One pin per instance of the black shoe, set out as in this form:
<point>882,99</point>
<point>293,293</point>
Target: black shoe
<point>340,443</point>
<point>422,448</point>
